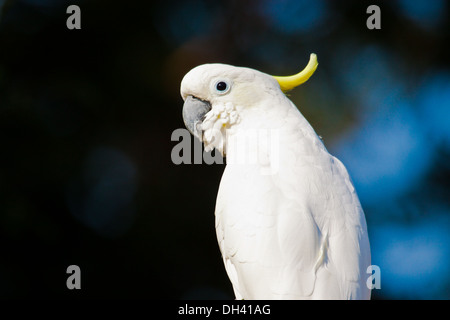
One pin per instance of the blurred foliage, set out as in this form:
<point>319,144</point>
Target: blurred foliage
<point>86,118</point>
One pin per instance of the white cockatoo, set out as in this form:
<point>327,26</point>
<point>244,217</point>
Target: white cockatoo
<point>288,220</point>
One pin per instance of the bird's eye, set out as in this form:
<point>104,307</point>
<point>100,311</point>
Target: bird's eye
<point>222,87</point>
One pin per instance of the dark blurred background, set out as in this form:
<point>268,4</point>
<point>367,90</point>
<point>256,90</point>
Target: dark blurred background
<point>86,118</point>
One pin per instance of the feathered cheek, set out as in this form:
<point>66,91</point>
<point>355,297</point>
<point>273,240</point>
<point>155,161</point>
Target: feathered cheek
<point>217,121</point>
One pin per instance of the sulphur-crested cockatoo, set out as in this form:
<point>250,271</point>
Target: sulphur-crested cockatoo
<point>288,220</point>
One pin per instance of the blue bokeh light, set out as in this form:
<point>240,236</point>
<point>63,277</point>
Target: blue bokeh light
<point>413,258</point>
<point>425,13</point>
<point>386,155</point>
<point>433,101</point>
<point>293,16</point>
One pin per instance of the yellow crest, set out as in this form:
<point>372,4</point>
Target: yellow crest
<point>290,82</point>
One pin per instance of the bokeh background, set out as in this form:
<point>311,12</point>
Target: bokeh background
<point>86,118</point>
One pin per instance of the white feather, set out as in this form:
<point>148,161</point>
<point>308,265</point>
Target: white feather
<point>290,225</point>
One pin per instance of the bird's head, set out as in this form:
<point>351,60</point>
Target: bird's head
<point>216,96</point>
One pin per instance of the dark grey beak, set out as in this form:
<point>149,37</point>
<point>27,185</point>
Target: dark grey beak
<point>194,111</point>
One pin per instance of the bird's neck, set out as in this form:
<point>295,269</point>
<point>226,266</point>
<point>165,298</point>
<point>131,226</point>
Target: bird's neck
<point>272,140</point>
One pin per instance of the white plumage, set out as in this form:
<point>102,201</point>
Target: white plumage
<point>288,220</point>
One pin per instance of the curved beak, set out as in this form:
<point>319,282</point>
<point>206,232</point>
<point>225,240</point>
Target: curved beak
<point>194,111</point>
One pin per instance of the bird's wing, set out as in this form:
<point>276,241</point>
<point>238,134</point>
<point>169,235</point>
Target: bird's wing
<point>322,182</point>
<point>349,249</point>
